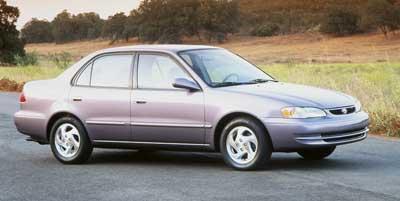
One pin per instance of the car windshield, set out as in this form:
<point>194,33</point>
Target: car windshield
<point>220,68</point>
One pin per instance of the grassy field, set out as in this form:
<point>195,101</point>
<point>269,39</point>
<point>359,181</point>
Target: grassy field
<point>364,66</point>
<point>28,73</point>
<point>376,85</point>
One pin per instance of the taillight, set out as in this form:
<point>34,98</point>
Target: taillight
<point>22,98</point>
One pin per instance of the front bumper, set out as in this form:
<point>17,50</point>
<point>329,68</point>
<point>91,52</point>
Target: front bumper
<point>297,134</point>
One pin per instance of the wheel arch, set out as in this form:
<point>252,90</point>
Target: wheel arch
<point>229,117</point>
<point>57,116</point>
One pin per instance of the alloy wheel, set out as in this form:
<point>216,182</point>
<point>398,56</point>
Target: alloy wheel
<point>242,145</point>
<point>67,140</point>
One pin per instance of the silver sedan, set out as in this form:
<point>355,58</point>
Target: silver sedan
<point>184,97</point>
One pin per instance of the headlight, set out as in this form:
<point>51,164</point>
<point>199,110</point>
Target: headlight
<point>358,106</point>
<point>302,112</point>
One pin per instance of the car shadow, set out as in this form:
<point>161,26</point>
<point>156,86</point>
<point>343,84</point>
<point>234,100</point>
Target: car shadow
<point>111,157</point>
<point>297,163</point>
<point>214,160</point>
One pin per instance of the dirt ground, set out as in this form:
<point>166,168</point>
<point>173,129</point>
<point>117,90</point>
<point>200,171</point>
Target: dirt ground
<point>10,85</point>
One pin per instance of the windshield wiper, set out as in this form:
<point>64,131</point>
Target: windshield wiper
<point>255,81</point>
<point>263,80</point>
<point>227,84</point>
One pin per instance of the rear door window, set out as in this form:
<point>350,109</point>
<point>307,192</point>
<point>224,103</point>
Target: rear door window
<point>112,71</point>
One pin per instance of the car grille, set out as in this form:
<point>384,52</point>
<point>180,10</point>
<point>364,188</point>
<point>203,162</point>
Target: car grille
<point>343,110</point>
<point>334,137</point>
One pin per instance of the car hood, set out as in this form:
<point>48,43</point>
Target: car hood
<point>295,94</point>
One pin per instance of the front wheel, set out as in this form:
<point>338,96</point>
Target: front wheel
<point>245,144</point>
<point>69,141</point>
<point>316,153</point>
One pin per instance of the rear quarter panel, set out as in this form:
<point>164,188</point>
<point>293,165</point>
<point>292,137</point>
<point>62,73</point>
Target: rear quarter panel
<point>43,99</point>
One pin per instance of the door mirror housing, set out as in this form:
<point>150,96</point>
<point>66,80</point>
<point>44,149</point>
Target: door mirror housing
<point>183,83</point>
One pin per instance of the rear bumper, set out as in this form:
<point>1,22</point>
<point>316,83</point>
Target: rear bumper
<point>297,134</point>
<point>31,124</point>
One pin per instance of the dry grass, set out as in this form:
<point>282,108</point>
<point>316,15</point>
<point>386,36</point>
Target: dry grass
<point>28,73</point>
<point>77,49</point>
<point>299,48</point>
<point>316,48</point>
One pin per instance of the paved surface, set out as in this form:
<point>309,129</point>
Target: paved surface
<point>365,171</point>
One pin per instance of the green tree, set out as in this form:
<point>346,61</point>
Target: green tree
<point>114,27</point>
<point>167,21</point>
<point>191,10</point>
<point>341,21</point>
<point>37,31</point>
<point>383,15</point>
<point>179,18</point>
<point>87,25</point>
<point>152,20</point>
<point>219,18</point>
<point>63,27</point>
<point>10,43</point>
<point>132,23</point>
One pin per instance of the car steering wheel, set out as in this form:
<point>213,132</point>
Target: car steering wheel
<point>230,76</point>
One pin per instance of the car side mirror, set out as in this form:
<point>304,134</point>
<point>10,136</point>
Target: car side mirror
<point>183,83</point>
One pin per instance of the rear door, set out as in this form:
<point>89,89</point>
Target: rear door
<point>160,112</point>
<point>101,97</point>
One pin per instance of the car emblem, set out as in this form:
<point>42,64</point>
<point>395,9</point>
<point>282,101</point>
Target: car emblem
<point>344,111</point>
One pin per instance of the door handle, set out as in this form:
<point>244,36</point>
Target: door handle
<point>141,102</point>
<point>77,99</point>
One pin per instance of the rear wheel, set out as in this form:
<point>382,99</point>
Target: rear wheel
<point>245,145</point>
<point>69,141</point>
<point>316,153</point>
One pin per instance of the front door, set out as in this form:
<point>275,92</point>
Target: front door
<point>160,112</point>
<point>101,97</point>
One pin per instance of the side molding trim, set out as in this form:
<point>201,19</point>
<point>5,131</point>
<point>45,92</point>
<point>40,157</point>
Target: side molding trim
<point>150,143</point>
<point>119,123</point>
<point>170,125</point>
<point>115,123</point>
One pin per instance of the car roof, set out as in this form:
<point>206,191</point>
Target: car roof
<point>169,48</point>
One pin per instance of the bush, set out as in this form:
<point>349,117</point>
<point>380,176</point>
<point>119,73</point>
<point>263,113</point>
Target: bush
<point>171,37</point>
<point>27,59</point>
<point>341,21</point>
<point>10,85</point>
<point>37,31</point>
<point>382,14</point>
<point>269,29</point>
<point>61,60</point>
<point>114,27</point>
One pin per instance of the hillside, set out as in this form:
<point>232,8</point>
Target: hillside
<point>307,6</point>
<point>300,48</point>
<point>293,16</point>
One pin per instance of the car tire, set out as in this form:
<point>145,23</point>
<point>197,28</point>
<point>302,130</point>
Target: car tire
<point>69,141</point>
<point>236,153</point>
<point>317,153</point>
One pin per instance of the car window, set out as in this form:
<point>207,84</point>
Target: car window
<point>112,71</point>
<point>158,72</point>
<point>84,78</point>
